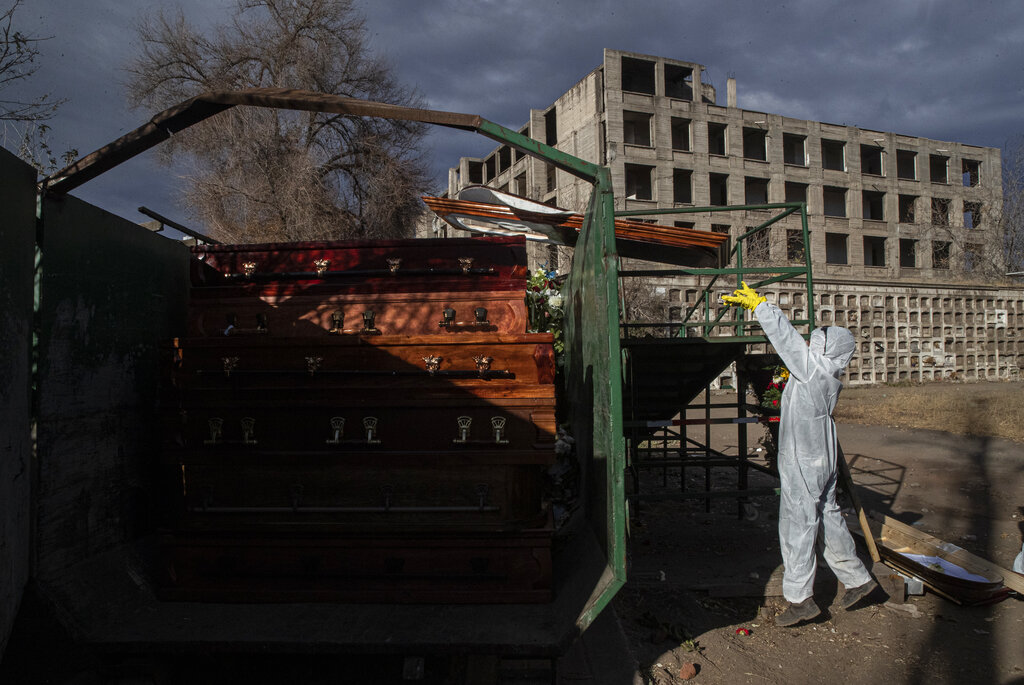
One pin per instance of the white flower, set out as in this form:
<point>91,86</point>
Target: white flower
<point>555,301</point>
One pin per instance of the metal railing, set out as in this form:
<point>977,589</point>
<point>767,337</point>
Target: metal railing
<point>706,313</point>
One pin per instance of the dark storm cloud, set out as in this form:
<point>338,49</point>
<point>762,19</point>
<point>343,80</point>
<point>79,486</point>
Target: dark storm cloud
<point>945,70</point>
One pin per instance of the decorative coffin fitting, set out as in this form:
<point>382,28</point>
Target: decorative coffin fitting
<point>467,568</point>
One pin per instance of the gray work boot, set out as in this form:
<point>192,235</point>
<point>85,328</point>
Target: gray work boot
<point>796,613</point>
<point>855,594</point>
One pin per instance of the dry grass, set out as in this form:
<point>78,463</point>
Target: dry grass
<point>993,409</point>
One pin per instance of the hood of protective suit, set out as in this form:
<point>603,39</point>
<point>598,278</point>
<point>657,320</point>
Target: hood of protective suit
<point>835,343</point>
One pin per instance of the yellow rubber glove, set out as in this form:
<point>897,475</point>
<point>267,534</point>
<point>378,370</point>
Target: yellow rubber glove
<point>745,297</point>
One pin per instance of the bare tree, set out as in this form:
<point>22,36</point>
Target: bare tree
<point>258,174</point>
<point>1011,219</point>
<point>23,116</point>
<point>641,305</point>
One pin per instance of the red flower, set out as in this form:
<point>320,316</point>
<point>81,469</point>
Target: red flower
<point>775,403</point>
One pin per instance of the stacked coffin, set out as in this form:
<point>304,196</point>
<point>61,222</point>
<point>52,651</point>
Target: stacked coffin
<point>359,421</point>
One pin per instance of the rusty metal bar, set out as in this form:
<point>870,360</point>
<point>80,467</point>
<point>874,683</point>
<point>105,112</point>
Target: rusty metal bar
<point>170,121</point>
<point>179,227</point>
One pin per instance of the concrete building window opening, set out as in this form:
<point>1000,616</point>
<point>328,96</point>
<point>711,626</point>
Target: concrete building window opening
<point>682,186</point>
<point>552,253</point>
<point>940,254</point>
<point>873,205</point>
<point>681,134</point>
<point>834,201</point>
<point>794,149</point>
<point>520,185</point>
<point>504,158</point>
<point>516,154</point>
<point>874,250</point>
<point>475,172</point>
<point>971,173</point>
<point>795,250</point>
<point>685,224</point>
<point>717,138</point>
<point>551,178</point>
<point>972,215</point>
<point>908,206</point>
<point>908,253</point>
<point>906,165</point>
<point>638,182</point>
<point>490,169</point>
<point>636,128</point>
<point>637,75</point>
<point>973,254</point>
<point>835,249</point>
<point>872,160</point>
<point>755,191</point>
<point>551,127</point>
<point>720,228</point>
<point>796,192</point>
<point>938,169</point>
<point>755,144</point>
<point>940,211</point>
<point>833,154</point>
<point>678,82</point>
<point>718,184</point>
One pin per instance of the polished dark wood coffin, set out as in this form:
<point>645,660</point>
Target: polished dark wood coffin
<point>299,289</point>
<point>402,458</point>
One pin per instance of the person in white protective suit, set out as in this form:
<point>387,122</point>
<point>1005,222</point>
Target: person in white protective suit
<point>807,454</point>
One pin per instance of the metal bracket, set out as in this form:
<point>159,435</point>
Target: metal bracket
<point>464,423</point>
<point>216,431</point>
<point>370,426</point>
<point>337,430</point>
<point>498,426</point>
<point>248,431</point>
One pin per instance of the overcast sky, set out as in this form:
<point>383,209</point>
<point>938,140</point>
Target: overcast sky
<point>949,70</point>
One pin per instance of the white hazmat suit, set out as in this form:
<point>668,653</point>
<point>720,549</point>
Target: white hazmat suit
<point>807,454</point>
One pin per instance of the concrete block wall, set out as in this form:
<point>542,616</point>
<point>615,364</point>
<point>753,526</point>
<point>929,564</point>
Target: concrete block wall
<point>906,334</point>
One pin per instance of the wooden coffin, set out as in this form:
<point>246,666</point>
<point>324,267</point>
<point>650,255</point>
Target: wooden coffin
<point>304,289</point>
<point>312,453</point>
<point>241,567</point>
<point>946,569</point>
<point>368,265</point>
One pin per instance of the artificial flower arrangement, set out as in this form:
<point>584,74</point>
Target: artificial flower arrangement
<point>545,306</point>
<point>771,398</point>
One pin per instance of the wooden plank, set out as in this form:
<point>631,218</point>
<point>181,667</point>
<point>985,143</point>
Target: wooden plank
<point>847,478</point>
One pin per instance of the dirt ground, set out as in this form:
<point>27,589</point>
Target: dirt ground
<point>697,576</point>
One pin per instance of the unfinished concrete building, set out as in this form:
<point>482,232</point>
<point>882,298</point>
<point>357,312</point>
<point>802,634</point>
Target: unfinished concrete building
<point>898,223</point>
